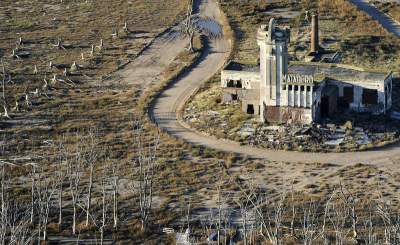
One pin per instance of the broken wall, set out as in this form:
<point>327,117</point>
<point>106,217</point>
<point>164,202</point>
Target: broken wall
<point>283,114</point>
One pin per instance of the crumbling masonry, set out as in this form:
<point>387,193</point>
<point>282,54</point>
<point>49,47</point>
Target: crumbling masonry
<point>301,92</point>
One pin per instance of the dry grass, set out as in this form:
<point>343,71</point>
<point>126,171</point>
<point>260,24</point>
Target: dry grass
<point>391,8</point>
<point>89,100</point>
<point>352,30</point>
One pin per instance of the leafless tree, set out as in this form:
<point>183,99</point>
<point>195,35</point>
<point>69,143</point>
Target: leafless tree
<point>337,214</point>
<point>16,228</point>
<point>18,224</point>
<point>3,203</point>
<point>33,190</point>
<point>391,222</point>
<point>3,84</point>
<point>189,28</point>
<point>310,223</point>
<point>325,218</point>
<point>61,175</point>
<point>90,155</point>
<point>350,201</point>
<point>101,222</point>
<point>245,207</point>
<point>74,176</point>
<point>371,237</point>
<point>115,183</point>
<point>103,209</point>
<point>45,189</point>
<point>146,161</point>
<point>293,212</point>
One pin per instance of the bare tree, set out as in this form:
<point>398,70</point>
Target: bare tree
<point>189,28</point>
<point>61,174</point>
<point>45,189</point>
<point>103,209</point>
<point>18,224</point>
<point>90,160</point>
<point>115,183</point>
<point>244,212</point>
<point>310,223</point>
<point>350,202</point>
<point>391,222</point>
<point>146,161</point>
<point>3,203</point>
<point>74,175</point>
<point>33,192</point>
<point>371,236</point>
<point>3,84</point>
<point>337,214</point>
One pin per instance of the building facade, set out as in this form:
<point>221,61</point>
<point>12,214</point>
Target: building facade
<point>301,92</point>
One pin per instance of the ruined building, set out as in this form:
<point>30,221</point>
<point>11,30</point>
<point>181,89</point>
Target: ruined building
<point>277,91</point>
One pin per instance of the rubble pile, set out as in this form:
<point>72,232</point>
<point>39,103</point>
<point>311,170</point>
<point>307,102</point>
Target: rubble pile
<point>345,132</point>
<point>316,137</point>
<point>326,137</point>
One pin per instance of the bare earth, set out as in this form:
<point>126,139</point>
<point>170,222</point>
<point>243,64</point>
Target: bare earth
<point>148,67</point>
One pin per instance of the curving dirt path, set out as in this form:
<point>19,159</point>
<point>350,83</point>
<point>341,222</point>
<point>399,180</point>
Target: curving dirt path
<point>165,111</point>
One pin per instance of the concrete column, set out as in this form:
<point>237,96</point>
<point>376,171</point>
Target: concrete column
<point>305,96</point>
<point>314,34</point>
<point>357,98</point>
<point>293,97</point>
<point>382,96</point>
<point>298,95</point>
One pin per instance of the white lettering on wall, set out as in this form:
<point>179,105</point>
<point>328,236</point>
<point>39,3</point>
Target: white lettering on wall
<point>298,79</point>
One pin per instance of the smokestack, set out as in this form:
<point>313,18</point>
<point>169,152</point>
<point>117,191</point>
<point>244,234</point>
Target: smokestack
<point>314,34</point>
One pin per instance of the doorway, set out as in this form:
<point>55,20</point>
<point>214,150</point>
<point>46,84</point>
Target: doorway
<point>250,109</point>
<point>324,107</point>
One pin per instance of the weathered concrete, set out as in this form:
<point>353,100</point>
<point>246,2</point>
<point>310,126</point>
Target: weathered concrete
<point>314,34</point>
<point>277,87</point>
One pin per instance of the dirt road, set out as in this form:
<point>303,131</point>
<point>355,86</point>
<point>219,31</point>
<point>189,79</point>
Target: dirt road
<point>148,67</point>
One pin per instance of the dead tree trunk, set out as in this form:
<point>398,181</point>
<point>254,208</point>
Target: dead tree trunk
<point>33,177</point>
<point>90,158</point>
<point>61,177</point>
<point>45,189</point>
<point>89,196</point>
<point>3,85</point>
<point>3,205</point>
<point>146,160</point>
<point>103,205</point>
<point>115,183</point>
<point>189,27</point>
<point>74,175</point>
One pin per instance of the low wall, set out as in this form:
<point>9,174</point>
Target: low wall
<point>283,114</point>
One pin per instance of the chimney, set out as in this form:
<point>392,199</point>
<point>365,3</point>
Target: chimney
<point>314,34</point>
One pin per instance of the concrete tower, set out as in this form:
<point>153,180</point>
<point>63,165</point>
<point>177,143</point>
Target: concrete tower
<point>314,34</point>
<point>273,64</point>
